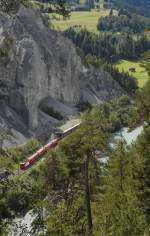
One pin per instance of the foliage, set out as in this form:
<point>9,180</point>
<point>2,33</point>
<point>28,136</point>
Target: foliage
<point>110,47</point>
<point>124,23</point>
<point>143,102</point>
<point>9,6</point>
<point>118,212</point>
<point>54,6</point>
<point>139,6</point>
<point>127,82</point>
<point>12,6</point>
<point>5,49</point>
<point>73,193</point>
<point>139,71</point>
<point>11,158</point>
<point>146,65</point>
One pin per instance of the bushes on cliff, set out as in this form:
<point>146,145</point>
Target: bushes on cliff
<point>9,6</point>
<point>5,48</point>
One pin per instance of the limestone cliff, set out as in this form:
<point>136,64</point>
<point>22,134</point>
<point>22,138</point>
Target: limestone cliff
<point>37,63</point>
<point>40,64</point>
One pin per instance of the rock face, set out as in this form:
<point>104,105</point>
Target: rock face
<point>37,63</point>
<point>41,64</point>
<point>100,87</point>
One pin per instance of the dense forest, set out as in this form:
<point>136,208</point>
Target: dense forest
<point>75,193</point>
<point>138,6</point>
<point>109,46</point>
<point>91,184</point>
<point>130,23</point>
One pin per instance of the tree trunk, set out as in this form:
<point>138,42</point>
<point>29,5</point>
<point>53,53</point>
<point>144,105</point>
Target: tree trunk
<point>96,172</point>
<point>87,196</point>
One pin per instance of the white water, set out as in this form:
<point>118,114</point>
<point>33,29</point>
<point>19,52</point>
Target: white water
<point>129,137</point>
<point>22,225</point>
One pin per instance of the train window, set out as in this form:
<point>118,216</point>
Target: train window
<point>57,135</point>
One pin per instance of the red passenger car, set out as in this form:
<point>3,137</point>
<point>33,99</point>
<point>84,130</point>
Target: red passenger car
<point>52,144</point>
<point>36,156</point>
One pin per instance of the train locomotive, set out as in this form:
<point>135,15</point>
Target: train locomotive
<point>50,145</point>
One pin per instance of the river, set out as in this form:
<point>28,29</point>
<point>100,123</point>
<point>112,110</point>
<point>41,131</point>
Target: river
<point>129,137</point>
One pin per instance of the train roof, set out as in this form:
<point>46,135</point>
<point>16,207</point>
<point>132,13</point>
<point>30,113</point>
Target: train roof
<point>75,126</point>
<point>41,149</point>
<point>58,132</point>
<point>51,142</point>
<point>30,158</point>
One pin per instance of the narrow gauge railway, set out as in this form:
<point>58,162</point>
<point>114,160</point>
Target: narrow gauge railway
<point>43,150</point>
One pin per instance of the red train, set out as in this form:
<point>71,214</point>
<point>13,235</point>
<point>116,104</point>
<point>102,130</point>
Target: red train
<point>52,144</point>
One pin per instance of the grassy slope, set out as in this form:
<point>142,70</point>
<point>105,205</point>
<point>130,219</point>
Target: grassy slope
<point>140,73</point>
<point>87,18</point>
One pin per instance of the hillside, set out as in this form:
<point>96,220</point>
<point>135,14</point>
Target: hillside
<point>74,118</point>
<point>40,72</point>
<point>139,6</point>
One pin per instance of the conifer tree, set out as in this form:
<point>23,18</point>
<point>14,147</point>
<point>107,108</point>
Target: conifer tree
<point>84,148</point>
<point>118,212</point>
<point>143,103</point>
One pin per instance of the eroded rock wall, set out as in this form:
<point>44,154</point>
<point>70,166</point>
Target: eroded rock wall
<point>40,63</point>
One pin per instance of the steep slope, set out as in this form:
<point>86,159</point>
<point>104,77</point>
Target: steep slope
<point>37,63</point>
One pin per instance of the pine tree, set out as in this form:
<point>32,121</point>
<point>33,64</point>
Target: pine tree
<point>118,211</point>
<point>84,148</point>
<point>142,153</point>
<point>143,103</point>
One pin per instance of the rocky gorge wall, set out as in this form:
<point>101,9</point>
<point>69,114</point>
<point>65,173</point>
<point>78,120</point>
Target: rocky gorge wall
<point>40,64</point>
<point>37,63</point>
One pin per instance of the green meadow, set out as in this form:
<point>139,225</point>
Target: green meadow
<point>88,19</point>
<point>140,74</point>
